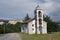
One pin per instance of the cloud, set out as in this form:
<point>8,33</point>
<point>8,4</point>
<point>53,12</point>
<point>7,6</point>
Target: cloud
<point>52,8</point>
<point>17,9</point>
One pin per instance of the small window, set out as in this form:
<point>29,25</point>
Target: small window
<point>32,24</point>
<point>33,29</point>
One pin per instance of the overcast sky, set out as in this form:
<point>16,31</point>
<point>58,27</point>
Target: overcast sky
<point>17,9</point>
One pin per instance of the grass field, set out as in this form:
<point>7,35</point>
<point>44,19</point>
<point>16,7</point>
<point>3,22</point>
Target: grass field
<point>52,36</point>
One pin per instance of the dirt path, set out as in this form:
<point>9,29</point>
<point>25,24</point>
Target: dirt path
<point>10,36</point>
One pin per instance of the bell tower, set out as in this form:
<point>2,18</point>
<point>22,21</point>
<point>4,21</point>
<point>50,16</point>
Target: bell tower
<point>38,19</point>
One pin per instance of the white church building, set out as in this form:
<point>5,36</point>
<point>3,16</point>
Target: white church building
<point>36,25</point>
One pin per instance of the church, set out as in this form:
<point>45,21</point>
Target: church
<point>36,25</point>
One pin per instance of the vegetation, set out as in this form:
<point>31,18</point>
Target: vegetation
<point>1,29</point>
<point>9,28</point>
<point>27,17</point>
<point>51,26</point>
<point>53,36</point>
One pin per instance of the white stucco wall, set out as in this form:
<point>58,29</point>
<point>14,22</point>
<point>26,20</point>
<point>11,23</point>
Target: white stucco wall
<point>44,28</point>
<point>30,27</point>
<point>24,28</point>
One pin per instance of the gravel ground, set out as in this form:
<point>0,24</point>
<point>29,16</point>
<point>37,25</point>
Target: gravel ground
<point>10,36</point>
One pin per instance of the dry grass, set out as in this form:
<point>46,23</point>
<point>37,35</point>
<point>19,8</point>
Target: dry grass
<point>53,36</point>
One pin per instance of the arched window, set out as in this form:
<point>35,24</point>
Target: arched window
<point>40,21</point>
<point>39,13</point>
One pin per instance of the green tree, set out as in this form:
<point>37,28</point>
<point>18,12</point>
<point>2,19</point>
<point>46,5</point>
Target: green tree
<point>1,29</point>
<point>27,17</point>
<point>18,26</point>
<point>9,28</point>
<point>51,26</point>
<point>47,18</point>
